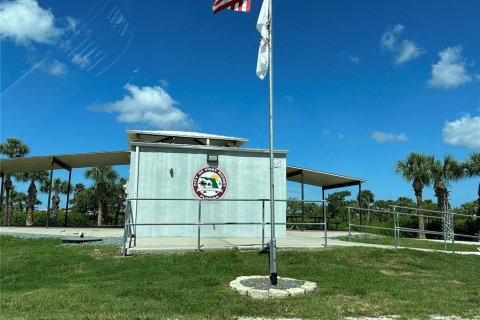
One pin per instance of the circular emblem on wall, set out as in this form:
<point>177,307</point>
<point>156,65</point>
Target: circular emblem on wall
<point>209,183</point>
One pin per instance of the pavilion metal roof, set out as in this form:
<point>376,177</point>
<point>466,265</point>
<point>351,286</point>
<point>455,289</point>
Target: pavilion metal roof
<point>64,161</point>
<point>113,158</point>
<point>320,179</point>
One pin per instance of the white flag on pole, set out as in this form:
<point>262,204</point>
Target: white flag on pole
<point>263,26</point>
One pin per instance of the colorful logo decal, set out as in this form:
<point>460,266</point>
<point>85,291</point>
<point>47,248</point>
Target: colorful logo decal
<point>209,183</point>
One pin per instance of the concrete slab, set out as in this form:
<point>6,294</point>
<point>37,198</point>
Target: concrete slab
<point>65,232</point>
<point>80,240</point>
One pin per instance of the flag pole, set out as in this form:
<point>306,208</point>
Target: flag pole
<point>273,243</point>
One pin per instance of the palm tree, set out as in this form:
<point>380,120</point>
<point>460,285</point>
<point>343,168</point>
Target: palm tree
<point>443,174</point>
<point>13,148</point>
<point>417,168</point>
<point>103,177</point>
<point>122,196</point>
<point>77,189</point>
<point>18,200</point>
<point>59,187</point>
<point>33,177</point>
<point>472,170</point>
<point>365,198</point>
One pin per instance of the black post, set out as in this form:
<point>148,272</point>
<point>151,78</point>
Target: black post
<point>68,195</point>
<point>49,191</point>
<point>360,200</point>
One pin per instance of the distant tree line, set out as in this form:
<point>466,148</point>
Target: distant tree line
<point>99,204</point>
<point>422,171</point>
<point>103,203</point>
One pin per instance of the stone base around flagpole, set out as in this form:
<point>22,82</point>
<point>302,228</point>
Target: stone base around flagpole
<point>259,287</point>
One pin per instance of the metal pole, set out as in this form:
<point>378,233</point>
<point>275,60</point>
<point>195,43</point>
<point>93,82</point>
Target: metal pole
<point>398,229</point>
<point>395,227</point>
<point>68,195</point>
<point>349,225</point>
<point>453,233</point>
<point>199,222</point>
<point>273,245</point>
<point>360,201</point>
<point>325,224</point>
<point>303,201</point>
<point>2,175</point>
<point>444,232</point>
<point>323,199</point>
<point>126,221</point>
<point>263,224</point>
<point>137,182</point>
<point>49,191</point>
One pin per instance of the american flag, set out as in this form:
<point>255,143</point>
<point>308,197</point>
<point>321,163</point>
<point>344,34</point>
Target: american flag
<point>236,5</point>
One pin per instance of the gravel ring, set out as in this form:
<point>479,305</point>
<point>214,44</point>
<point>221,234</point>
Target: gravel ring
<point>106,241</point>
<point>265,284</point>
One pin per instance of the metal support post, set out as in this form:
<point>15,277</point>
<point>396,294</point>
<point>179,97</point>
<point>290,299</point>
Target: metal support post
<point>325,224</point>
<point>199,222</point>
<point>125,230</point>
<point>323,199</point>
<point>360,201</point>
<point>453,233</point>
<point>444,231</point>
<point>263,224</point>
<point>303,201</point>
<point>49,191</point>
<point>2,175</point>
<point>68,195</point>
<point>396,224</point>
<point>349,225</point>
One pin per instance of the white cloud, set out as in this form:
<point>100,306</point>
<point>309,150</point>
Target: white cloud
<point>81,61</point>
<point>382,137</point>
<point>24,21</point>
<point>345,55</point>
<point>408,51</point>
<point>55,68</point>
<point>450,71</point>
<point>340,136</point>
<point>152,106</point>
<point>390,37</point>
<point>403,50</point>
<point>164,83</point>
<point>463,132</point>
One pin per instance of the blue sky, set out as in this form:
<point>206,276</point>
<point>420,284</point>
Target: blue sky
<point>358,84</point>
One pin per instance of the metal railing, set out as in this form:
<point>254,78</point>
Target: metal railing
<point>397,228</point>
<point>130,227</point>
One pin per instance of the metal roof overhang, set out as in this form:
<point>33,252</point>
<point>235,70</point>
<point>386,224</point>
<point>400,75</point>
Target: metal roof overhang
<point>113,158</point>
<point>320,179</point>
<point>65,161</point>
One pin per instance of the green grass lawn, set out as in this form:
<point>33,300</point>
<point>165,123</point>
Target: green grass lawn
<point>415,243</point>
<point>42,280</point>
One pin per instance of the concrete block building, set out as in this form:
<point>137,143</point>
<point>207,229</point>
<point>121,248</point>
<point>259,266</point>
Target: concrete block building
<point>181,177</point>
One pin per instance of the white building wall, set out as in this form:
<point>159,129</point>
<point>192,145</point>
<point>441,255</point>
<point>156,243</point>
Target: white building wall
<point>247,178</point>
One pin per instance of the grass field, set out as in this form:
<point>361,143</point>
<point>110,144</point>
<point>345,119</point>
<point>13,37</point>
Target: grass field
<point>41,279</point>
<point>415,243</point>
